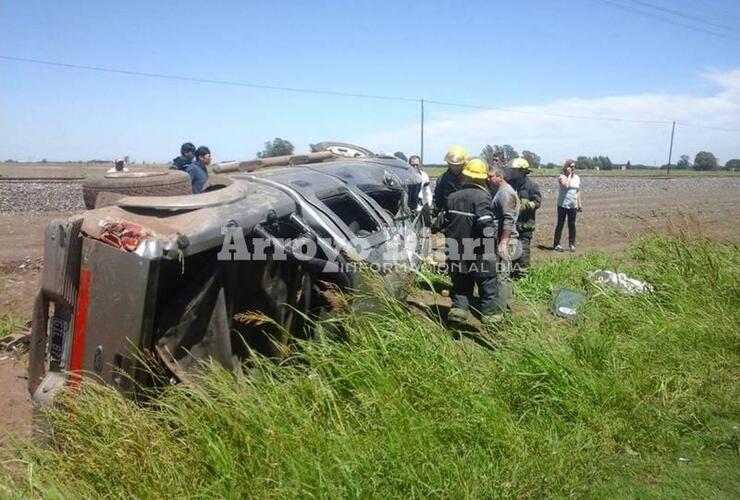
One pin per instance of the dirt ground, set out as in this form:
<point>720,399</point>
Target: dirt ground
<point>611,219</point>
<point>61,170</point>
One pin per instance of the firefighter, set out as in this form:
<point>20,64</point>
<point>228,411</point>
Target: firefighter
<point>468,227</point>
<point>530,200</point>
<point>451,180</point>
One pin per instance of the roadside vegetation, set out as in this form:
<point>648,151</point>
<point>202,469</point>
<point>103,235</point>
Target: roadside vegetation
<point>10,323</point>
<point>638,398</point>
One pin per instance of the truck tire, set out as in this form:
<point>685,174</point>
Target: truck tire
<point>161,183</point>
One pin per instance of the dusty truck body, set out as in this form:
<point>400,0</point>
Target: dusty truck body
<point>176,279</point>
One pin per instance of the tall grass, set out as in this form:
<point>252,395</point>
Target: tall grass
<point>10,323</point>
<point>600,406</point>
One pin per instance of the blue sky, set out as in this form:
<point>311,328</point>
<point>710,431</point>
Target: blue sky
<point>569,57</point>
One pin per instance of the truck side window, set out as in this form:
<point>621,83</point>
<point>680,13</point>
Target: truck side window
<point>354,216</point>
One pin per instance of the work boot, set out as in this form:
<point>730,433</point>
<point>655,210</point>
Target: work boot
<point>558,248</point>
<point>457,315</point>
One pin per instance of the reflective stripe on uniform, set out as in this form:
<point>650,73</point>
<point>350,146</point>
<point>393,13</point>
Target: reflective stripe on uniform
<point>484,218</point>
<point>458,212</point>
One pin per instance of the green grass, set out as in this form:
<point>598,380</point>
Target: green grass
<point>9,323</point>
<point>601,407</point>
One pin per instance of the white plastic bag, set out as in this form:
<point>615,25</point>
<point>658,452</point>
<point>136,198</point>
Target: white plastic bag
<point>620,281</point>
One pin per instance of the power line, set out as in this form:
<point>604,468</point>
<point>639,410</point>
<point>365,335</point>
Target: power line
<point>346,94</point>
<point>207,80</point>
<point>313,91</point>
<point>716,13</point>
<point>684,15</point>
<point>653,15</point>
<point>707,127</point>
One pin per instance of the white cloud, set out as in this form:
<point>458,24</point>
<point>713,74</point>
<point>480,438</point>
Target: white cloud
<point>556,137</point>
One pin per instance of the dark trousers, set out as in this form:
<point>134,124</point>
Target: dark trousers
<point>520,266</point>
<point>462,291</point>
<point>571,214</point>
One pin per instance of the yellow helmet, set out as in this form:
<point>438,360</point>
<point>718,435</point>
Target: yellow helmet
<point>521,163</point>
<point>476,169</point>
<point>456,155</point>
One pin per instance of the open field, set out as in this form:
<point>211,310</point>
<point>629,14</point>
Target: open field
<point>437,170</point>
<point>84,170</point>
<point>634,386</point>
<point>61,170</point>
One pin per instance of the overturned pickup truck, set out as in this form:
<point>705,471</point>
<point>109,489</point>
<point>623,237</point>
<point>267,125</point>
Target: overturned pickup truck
<point>170,277</point>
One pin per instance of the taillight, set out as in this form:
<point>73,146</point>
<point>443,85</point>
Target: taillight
<point>123,235</point>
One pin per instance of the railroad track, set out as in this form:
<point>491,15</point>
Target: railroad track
<point>67,180</point>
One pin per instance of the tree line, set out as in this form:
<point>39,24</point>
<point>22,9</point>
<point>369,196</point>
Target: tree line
<point>704,160</point>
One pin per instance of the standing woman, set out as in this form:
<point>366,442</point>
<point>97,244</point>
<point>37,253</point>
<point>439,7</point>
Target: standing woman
<point>569,202</point>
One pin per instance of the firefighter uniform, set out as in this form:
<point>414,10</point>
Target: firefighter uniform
<point>468,227</point>
<point>451,180</point>
<point>530,197</point>
<point>447,184</point>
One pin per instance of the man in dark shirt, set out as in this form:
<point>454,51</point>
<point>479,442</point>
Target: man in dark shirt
<point>530,198</point>
<point>451,180</point>
<point>187,153</point>
<point>198,169</point>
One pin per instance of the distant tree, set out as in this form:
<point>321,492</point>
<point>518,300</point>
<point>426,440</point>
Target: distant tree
<point>684,163</point>
<point>488,153</point>
<point>628,165</point>
<point>584,162</point>
<point>509,152</point>
<point>400,155</point>
<point>705,161</point>
<point>533,158</point>
<point>733,164</point>
<point>276,147</point>
<point>10,160</point>
<point>43,160</point>
<point>603,162</point>
<point>550,164</point>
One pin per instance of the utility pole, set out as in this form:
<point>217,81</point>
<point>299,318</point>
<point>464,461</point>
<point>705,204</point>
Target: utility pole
<point>670,150</point>
<point>421,153</point>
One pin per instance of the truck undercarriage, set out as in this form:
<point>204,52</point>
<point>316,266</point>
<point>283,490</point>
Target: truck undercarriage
<point>245,267</point>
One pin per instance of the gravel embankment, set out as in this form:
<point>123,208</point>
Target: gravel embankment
<point>40,197</point>
<point>43,197</point>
